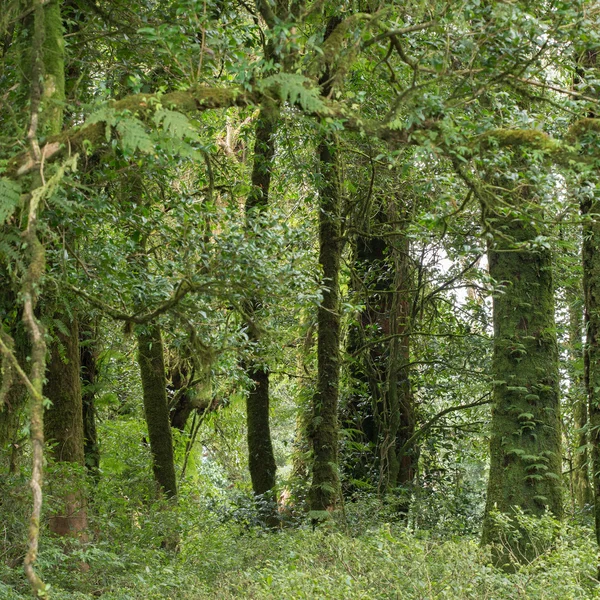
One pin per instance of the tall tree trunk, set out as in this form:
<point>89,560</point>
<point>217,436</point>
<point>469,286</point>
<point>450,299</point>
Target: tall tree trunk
<point>381,346</point>
<point>582,490</point>
<point>590,208</point>
<point>325,486</point>
<point>63,424</point>
<point>402,466</point>
<point>151,361</point>
<point>89,375</point>
<point>156,409</point>
<point>525,447</point>
<point>261,458</point>
<point>63,427</point>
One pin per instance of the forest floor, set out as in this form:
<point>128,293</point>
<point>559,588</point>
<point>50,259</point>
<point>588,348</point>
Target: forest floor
<point>219,559</point>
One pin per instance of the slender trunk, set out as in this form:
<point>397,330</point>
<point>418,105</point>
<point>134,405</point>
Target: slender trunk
<point>402,464</point>
<point>582,490</point>
<point>89,375</point>
<point>591,288</point>
<point>525,447</point>
<point>154,385</point>
<point>261,458</point>
<point>181,406</point>
<point>324,490</point>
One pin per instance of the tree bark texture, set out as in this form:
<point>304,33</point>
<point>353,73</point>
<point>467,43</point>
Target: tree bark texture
<point>591,287</point>
<point>261,458</point>
<point>525,447</point>
<point>63,425</point>
<point>382,407</point>
<point>154,385</point>
<point>582,490</point>
<point>324,490</point>
<point>89,375</point>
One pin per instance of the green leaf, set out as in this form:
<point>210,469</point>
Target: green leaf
<point>133,136</point>
<point>107,115</point>
<point>10,193</point>
<point>175,124</point>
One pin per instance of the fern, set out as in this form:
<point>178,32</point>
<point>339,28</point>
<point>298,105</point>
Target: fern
<point>294,88</point>
<point>176,124</point>
<point>107,115</point>
<point>10,193</point>
<point>133,135</point>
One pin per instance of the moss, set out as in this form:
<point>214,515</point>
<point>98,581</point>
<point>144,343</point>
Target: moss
<point>324,490</point>
<point>54,70</point>
<point>591,287</point>
<point>525,447</point>
<point>526,138</point>
<point>156,409</point>
<point>261,458</point>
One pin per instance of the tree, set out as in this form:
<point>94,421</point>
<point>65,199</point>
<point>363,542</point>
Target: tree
<point>525,448</point>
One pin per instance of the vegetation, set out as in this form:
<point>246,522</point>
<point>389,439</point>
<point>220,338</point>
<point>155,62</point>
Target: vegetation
<point>299,299</point>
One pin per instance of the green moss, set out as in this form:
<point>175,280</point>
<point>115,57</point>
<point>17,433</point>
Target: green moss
<point>156,409</point>
<point>525,448</point>
<point>54,69</point>
<point>527,138</point>
<point>324,491</point>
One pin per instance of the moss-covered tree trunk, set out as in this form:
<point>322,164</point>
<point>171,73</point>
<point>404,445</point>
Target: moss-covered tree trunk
<point>156,409</point>
<point>525,447</point>
<point>63,428</point>
<point>261,458</point>
<point>582,491</point>
<point>63,423</point>
<point>590,208</point>
<point>382,406</point>
<point>402,463</point>
<point>324,490</point>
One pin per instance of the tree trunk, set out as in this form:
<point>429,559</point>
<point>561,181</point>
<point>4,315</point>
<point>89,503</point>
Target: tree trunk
<point>89,374</point>
<point>261,458</point>
<point>582,491</point>
<point>324,490</point>
<point>156,409</point>
<point>591,288</point>
<point>525,447</point>
<point>382,407</point>
<point>63,427</point>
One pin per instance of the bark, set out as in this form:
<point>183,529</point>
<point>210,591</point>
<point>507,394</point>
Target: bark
<point>591,288</point>
<point>525,447</point>
<point>154,385</point>
<point>324,490</point>
<point>382,408</point>
<point>89,375</point>
<point>401,461</point>
<point>180,411</point>
<point>63,427</point>
<point>261,458</point>
<point>582,491</point>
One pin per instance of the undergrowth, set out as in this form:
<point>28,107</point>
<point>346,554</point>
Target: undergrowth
<point>221,555</point>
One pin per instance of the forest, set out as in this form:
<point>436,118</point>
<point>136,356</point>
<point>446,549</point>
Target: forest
<point>299,299</point>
